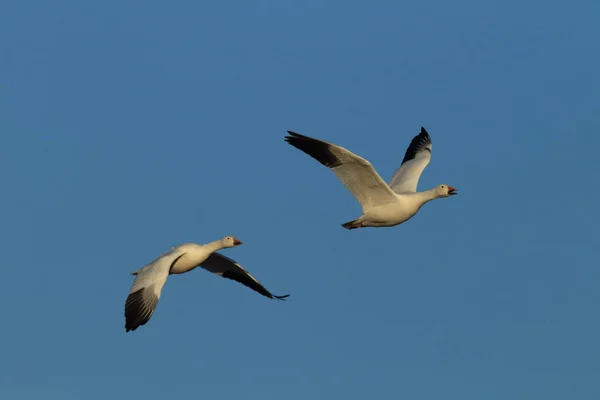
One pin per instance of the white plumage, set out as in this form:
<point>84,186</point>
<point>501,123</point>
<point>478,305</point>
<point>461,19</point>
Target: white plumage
<point>383,205</point>
<point>150,279</point>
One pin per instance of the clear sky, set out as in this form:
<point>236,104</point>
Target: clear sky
<point>130,127</point>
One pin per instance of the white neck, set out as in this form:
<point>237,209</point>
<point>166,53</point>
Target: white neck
<point>213,246</point>
<point>427,195</point>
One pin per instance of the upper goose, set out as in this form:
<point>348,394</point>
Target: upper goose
<point>382,204</point>
<point>150,279</point>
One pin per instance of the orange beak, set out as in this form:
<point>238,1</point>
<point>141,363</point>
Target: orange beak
<point>236,242</point>
<point>451,190</point>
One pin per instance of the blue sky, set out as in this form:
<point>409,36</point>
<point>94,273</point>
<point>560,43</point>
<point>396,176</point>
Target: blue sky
<point>130,127</point>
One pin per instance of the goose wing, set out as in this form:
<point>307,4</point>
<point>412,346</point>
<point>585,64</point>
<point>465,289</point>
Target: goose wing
<point>356,173</point>
<point>228,268</point>
<point>146,289</point>
<point>416,158</point>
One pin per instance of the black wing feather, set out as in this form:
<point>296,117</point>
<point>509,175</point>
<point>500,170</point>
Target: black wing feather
<point>417,144</point>
<point>252,284</point>
<point>137,312</point>
<point>227,268</point>
<point>317,149</point>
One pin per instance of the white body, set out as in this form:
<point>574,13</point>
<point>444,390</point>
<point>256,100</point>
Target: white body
<point>194,255</point>
<point>401,210</point>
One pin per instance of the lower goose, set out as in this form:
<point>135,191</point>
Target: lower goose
<point>383,205</point>
<point>147,286</point>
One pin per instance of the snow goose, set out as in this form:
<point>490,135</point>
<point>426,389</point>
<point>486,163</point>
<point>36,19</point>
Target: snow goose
<point>150,279</point>
<point>382,204</point>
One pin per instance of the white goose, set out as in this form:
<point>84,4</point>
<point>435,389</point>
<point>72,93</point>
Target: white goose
<point>383,205</point>
<point>150,279</point>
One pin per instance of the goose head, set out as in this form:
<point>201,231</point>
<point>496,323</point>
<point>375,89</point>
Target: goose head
<point>230,241</point>
<point>445,190</point>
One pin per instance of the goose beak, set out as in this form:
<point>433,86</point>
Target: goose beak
<point>236,242</point>
<point>452,191</point>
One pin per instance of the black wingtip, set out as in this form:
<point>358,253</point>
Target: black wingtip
<point>282,298</point>
<point>416,144</point>
<point>317,149</point>
<point>136,312</point>
<point>292,136</point>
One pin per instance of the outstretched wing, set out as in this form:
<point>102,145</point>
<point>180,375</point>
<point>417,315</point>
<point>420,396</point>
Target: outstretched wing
<point>416,158</point>
<point>356,173</point>
<point>227,268</point>
<point>146,289</point>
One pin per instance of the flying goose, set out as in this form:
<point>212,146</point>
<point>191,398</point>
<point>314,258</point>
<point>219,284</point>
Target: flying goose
<point>150,279</point>
<point>383,205</point>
